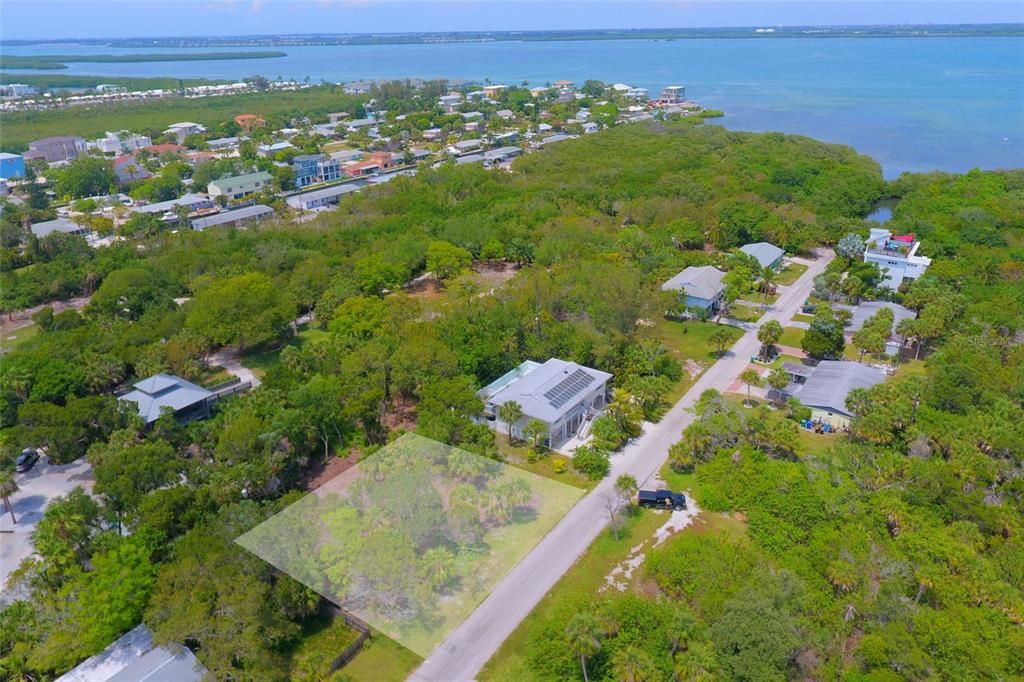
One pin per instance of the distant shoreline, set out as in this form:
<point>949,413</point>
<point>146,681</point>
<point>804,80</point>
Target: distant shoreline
<point>751,32</point>
<point>57,61</point>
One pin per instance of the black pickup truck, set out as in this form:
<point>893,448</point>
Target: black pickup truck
<point>664,499</point>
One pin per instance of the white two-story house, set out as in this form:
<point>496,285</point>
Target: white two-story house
<point>896,256</point>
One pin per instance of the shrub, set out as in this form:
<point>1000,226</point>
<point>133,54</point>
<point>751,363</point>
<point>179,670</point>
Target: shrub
<point>591,462</point>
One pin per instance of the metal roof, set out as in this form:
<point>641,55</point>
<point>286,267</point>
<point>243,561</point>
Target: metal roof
<point>186,199</point>
<point>470,158</point>
<point>702,281</point>
<point>798,370</point>
<point>164,390</point>
<point>64,225</point>
<point>225,217</point>
<point>551,390</point>
<point>763,252</point>
<point>237,180</point>
<point>865,310</point>
<point>831,382</point>
<point>324,193</point>
<point>133,657</point>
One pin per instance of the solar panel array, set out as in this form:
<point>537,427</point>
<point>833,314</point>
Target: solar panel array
<point>568,388</point>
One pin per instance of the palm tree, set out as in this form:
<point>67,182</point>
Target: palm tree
<point>769,334</point>
<point>750,377</point>
<point>681,628</point>
<point>8,486</point>
<point>510,413</point>
<point>584,633</point>
<point>698,664</point>
<point>633,664</point>
<point>768,276</point>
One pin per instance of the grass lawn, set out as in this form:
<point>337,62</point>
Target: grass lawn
<point>517,455</point>
<point>782,357</point>
<point>214,375</point>
<point>586,576</point>
<point>790,273</point>
<point>260,361</point>
<point>688,344</point>
<point>381,660</point>
<point>745,313</point>
<point>812,443</point>
<point>800,317</point>
<point>791,336</point>
<point>19,336</point>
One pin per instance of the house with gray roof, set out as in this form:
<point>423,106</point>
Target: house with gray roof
<point>562,394</point>
<point>238,186</point>
<point>187,400</point>
<point>701,288</point>
<point>48,227</point>
<point>826,387</point>
<point>768,255</point>
<point>134,657</point>
<point>319,198</point>
<point>233,218</point>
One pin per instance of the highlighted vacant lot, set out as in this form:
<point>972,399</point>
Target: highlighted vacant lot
<point>414,537</point>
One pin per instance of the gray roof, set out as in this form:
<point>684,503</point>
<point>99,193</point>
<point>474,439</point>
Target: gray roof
<point>798,370</point>
<point>134,657</point>
<point>702,281</point>
<point>224,217</point>
<point>470,158</point>
<point>557,137</point>
<point>222,142</point>
<point>64,225</point>
<point>862,312</point>
<point>550,390</point>
<point>237,180</point>
<point>323,193</point>
<point>468,144</point>
<point>763,252</point>
<point>502,152</point>
<point>831,382</point>
<point>186,199</point>
<point>164,390</point>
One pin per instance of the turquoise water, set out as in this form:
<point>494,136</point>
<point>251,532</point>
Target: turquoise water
<point>913,104</point>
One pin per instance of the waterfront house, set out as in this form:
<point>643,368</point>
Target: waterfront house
<point>238,186</point>
<point>321,198</point>
<point>767,255</point>
<point>233,218</point>
<point>702,288</point>
<point>561,394</point>
<point>55,149</point>
<point>825,388</point>
<point>896,256</point>
<point>186,400</point>
<point>182,130</point>
<point>672,94</point>
<point>11,165</point>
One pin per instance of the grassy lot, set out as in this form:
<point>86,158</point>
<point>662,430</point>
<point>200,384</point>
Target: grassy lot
<point>585,577</point>
<point>790,273</point>
<point>745,313</point>
<point>324,638</point>
<point>812,443</point>
<point>212,376</point>
<point>800,317</point>
<point>791,336</point>
<point>688,344</point>
<point>517,455</point>
<point>782,357</point>
<point>19,336</point>
<point>261,360</point>
<point>21,127</point>
<point>381,660</point>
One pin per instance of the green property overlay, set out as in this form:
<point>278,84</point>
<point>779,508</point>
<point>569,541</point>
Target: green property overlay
<point>414,537</point>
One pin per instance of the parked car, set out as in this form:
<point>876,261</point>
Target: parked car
<point>26,460</point>
<point>663,499</point>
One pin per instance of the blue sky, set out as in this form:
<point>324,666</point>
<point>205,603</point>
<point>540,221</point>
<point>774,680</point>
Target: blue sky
<point>119,18</point>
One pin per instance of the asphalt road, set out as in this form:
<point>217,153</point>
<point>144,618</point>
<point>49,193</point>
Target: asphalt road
<point>465,651</point>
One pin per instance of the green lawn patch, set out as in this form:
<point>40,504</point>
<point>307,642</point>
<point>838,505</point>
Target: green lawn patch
<point>687,341</point>
<point>791,336</point>
<point>745,313</point>
<point>790,274</point>
<point>212,376</point>
<point>800,317</point>
<point>312,658</point>
<point>11,341</point>
<point>262,360</point>
<point>545,465</point>
<point>381,660</point>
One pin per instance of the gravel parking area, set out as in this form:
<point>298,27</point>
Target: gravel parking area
<point>36,489</point>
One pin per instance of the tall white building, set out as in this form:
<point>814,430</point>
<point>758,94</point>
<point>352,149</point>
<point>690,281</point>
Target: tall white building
<point>896,256</point>
<point>120,143</point>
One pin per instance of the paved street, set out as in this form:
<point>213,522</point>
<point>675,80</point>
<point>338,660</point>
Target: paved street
<point>461,656</point>
<point>36,489</point>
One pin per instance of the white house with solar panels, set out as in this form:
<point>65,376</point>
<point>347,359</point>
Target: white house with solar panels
<point>562,394</point>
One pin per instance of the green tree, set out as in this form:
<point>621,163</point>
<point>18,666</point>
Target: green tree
<point>584,635</point>
<point>769,335</point>
<point>868,340</point>
<point>750,377</point>
<point>86,176</point>
<point>633,664</point>
<point>510,413</point>
<point>720,338</point>
<point>823,340</point>
<point>242,310</point>
<point>446,260</point>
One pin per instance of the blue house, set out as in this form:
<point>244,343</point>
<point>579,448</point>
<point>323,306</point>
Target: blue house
<point>314,168</point>
<point>12,166</point>
<point>701,288</point>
